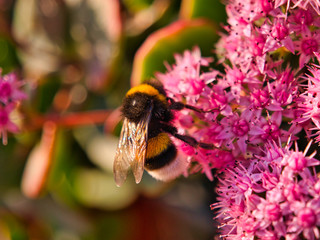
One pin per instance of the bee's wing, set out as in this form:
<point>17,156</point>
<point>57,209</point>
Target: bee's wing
<point>132,148</point>
<point>123,156</point>
<point>140,145</point>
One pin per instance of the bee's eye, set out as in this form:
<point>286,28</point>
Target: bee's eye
<point>134,102</point>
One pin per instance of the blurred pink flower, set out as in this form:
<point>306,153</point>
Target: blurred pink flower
<point>10,96</point>
<point>10,89</point>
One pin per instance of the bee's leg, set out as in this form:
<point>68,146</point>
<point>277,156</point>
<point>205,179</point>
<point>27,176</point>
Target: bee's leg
<point>185,138</point>
<point>193,142</point>
<point>179,106</point>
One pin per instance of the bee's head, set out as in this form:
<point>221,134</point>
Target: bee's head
<point>135,106</point>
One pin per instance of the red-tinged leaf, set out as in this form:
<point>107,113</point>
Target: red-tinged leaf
<point>39,162</point>
<point>160,46</point>
<point>213,10</point>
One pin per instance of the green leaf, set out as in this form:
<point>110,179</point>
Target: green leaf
<point>137,5</point>
<point>95,188</point>
<point>160,46</point>
<point>47,89</point>
<point>8,56</point>
<point>65,161</point>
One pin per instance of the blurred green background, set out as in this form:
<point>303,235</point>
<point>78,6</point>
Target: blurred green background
<point>77,58</point>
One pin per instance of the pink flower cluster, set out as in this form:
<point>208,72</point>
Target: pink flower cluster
<point>270,196</point>
<point>268,93</point>
<point>10,96</point>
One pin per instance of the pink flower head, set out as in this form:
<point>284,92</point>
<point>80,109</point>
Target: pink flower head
<point>278,35</point>
<point>10,89</point>
<point>260,98</point>
<point>296,161</point>
<point>307,46</point>
<point>238,80</point>
<point>268,129</point>
<point>301,19</point>
<point>307,218</point>
<point>266,6</point>
<point>10,96</point>
<point>282,92</point>
<point>235,132</point>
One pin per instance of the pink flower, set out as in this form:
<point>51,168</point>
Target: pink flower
<point>10,89</point>
<point>277,36</point>
<point>235,132</point>
<point>296,161</point>
<point>283,91</point>
<point>301,19</point>
<point>10,96</point>
<point>260,98</point>
<point>307,46</point>
<point>307,219</point>
<point>238,80</point>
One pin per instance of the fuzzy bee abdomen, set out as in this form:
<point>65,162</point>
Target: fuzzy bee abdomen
<point>160,152</point>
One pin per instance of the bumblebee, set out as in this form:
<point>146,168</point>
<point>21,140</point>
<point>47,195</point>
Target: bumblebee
<point>145,136</point>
